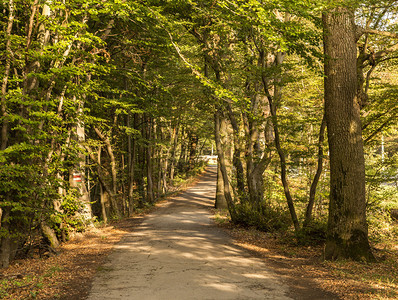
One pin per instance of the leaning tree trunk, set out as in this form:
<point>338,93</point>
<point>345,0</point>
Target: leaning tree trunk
<point>347,235</point>
<point>317,176</point>
<point>277,94</point>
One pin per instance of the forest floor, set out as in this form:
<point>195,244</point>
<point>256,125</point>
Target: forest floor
<point>70,273</point>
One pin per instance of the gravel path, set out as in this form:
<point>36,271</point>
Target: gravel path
<point>178,253</point>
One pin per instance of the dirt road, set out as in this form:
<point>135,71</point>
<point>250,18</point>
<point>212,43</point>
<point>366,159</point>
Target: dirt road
<point>177,253</point>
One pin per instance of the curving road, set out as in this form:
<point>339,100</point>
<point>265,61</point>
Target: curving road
<point>177,253</point>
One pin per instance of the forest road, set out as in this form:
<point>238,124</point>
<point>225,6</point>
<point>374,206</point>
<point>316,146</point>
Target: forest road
<point>178,253</point>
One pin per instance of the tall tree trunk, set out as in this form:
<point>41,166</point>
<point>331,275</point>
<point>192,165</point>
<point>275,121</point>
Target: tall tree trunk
<point>173,151</point>
<point>347,235</point>
<point>109,150</point>
<point>5,240</point>
<point>193,144</point>
<point>221,198</point>
<point>314,184</point>
<point>102,194</point>
<point>236,160</point>
<point>223,168</point>
<point>181,165</point>
<point>255,180</point>
<point>85,212</point>
<point>149,191</point>
<point>101,178</point>
<point>7,67</point>
<point>277,94</point>
<point>220,202</point>
<point>164,161</point>
<point>131,167</point>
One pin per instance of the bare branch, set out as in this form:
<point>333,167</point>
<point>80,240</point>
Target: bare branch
<point>385,52</point>
<point>380,32</point>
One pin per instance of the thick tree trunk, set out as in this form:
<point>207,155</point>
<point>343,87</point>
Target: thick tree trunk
<point>223,168</point>
<point>49,234</point>
<point>347,235</point>
<point>220,202</point>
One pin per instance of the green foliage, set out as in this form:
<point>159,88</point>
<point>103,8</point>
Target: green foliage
<point>314,233</point>
<point>269,219</point>
<point>148,75</point>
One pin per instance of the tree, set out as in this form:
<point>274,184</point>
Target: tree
<point>347,235</point>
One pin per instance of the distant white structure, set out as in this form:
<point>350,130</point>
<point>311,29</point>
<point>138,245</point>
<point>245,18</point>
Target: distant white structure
<point>210,159</point>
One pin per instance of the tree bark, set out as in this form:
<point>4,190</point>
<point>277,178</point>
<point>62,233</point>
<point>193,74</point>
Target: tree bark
<point>131,166</point>
<point>221,161</point>
<point>86,211</point>
<point>101,178</point>
<point>5,241</point>
<point>103,204</point>
<point>102,194</point>
<point>314,184</point>
<point>193,144</point>
<point>173,151</point>
<point>274,117</point>
<point>221,201</point>
<point>237,160</point>
<point>109,150</point>
<point>149,191</point>
<point>347,234</point>
<point>4,128</point>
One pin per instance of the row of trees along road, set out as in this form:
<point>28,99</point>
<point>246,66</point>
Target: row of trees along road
<point>106,104</point>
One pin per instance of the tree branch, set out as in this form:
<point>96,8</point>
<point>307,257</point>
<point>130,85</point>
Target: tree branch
<point>384,52</point>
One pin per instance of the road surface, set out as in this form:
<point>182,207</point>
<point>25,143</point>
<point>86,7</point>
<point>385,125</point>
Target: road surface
<point>178,253</point>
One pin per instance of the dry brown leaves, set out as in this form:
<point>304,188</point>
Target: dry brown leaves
<point>345,279</point>
<point>67,275</point>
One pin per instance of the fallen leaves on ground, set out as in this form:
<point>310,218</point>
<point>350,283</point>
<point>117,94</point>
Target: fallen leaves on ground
<point>346,279</point>
<point>67,275</point>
